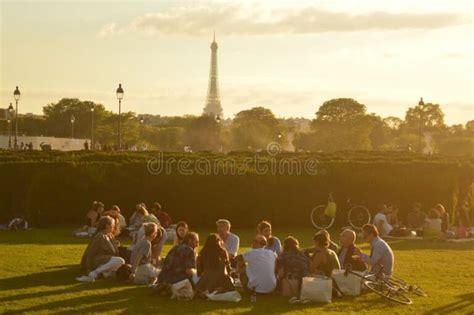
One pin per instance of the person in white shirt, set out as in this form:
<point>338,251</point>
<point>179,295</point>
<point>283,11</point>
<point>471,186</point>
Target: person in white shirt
<point>257,267</point>
<point>384,227</point>
<point>381,221</point>
<point>231,241</point>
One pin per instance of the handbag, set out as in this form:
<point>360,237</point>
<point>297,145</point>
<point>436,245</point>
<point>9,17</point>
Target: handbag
<point>348,285</point>
<point>289,286</point>
<point>182,290</point>
<point>317,289</point>
<point>331,209</point>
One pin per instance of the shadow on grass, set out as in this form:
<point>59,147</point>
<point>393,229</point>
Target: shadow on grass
<point>460,306</point>
<point>57,277</point>
<point>429,245</point>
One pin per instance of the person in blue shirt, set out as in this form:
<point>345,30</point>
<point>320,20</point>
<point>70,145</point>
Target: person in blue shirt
<point>381,256</point>
<point>273,243</point>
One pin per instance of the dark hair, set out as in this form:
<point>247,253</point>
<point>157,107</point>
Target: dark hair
<point>213,252</point>
<point>124,272</point>
<point>321,239</point>
<point>291,244</point>
<point>370,229</point>
<point>156,206</point>
<point>433,214</point>
<point>190,236</point>
<point>178,225</point>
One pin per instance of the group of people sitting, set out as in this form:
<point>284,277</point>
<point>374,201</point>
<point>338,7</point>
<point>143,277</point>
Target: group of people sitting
<point>218,266</point>
<point>432,225</point>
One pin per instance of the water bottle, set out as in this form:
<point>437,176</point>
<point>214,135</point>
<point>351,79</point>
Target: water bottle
<point>253,296</point>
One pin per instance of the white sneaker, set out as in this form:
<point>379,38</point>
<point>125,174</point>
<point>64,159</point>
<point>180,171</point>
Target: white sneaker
<point>85,279</point>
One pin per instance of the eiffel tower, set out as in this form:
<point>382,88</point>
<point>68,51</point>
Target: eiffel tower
<point>213,101</point>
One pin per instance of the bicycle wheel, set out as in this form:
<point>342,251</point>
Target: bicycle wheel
<point>358,216</point>
<point>319,219</point>
<point>416,290</point>
<point>408,288</point>
<point>390,293</point>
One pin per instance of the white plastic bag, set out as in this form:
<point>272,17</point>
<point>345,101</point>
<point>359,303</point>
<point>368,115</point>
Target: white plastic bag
<point>231,296</point>
<point>348,285</point>
<point>182,290</point>
<point>318,289</point>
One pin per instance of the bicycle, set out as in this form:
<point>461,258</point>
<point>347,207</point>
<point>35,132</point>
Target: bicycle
<point>357,215</point>
<point>389,287</point>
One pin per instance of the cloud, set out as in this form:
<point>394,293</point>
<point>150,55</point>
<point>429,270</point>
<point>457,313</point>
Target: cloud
<point>234,19</point>
<point>107,30</point>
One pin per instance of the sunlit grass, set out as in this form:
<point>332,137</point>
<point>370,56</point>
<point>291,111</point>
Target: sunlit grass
<point>37,271</point>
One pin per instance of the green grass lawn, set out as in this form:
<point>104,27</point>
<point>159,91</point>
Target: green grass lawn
<point>38,270</point>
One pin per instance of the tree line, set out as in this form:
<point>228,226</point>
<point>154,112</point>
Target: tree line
<point>339,124</point>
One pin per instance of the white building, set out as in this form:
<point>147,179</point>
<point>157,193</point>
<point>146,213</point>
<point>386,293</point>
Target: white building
<point>62,144</point>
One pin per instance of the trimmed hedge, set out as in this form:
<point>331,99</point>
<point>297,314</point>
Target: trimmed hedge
<point>58,187</point>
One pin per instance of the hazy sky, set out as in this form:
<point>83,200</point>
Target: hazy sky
<point>289,56</point>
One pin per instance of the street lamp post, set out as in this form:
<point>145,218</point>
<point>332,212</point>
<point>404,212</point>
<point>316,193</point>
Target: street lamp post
<point>142,121</point>
<point>10,114</point>
<point>420,103</point>
<point>119,93</point>
<point>92,127</point>
<point>73,120</point>
<point>16,96</point>
<point>9,133</point>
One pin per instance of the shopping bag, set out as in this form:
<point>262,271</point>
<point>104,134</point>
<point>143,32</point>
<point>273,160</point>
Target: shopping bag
<point>182,290</point>
<point>348,285</point>
<point>318,289</point>
<point>231,296</point>
<point>289,287</point>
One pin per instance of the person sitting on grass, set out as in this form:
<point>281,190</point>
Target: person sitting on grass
<point>180,263</point>
<point>213,267</point>
<point>416,219</point>
<point>324,260</point>
<point>231,240</point>
<point>382,224</point>
<point>257,267</point>
<point>143,271</point>
<point>135,219</point>
<point>291,263</point>
<point>181,231</point>
<point>332,246</point>
<point>346,251</point>
<point>115,212</point>
<point>157,243</point>
<point>101,256</point>
<point>273,243</point>
<point>444,215</point>
<point>92,219</point>
<point>381,258</point>
<point>162,216</point>
<point>433,225</point>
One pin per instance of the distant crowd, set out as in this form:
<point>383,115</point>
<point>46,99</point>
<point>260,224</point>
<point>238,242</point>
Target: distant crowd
<point>270,265</point>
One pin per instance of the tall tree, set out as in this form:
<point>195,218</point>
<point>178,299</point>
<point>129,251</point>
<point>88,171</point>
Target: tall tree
<point>427,116</point>
<point>254,128</point>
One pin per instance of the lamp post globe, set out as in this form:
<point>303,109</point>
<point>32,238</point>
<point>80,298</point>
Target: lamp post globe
<point>73,120</point>
<point>119,92</point>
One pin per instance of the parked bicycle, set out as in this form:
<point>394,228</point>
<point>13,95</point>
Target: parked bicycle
<point>389,287</point>
<point>323,216</point>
